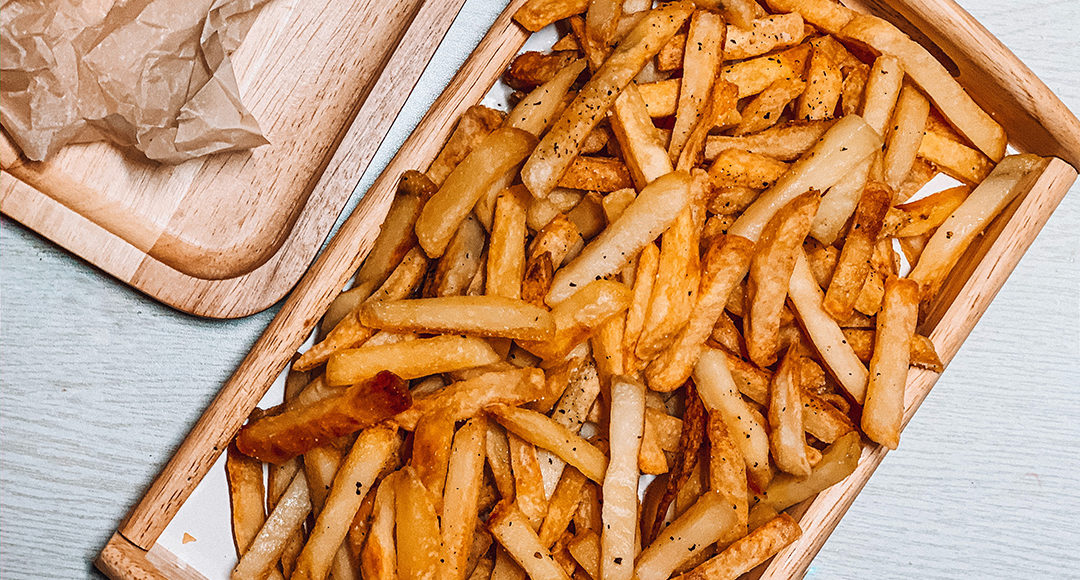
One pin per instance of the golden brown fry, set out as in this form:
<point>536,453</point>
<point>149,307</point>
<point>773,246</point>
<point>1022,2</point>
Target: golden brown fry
<point>708,520</point>
<point>883,411</point>
<point>585,548</point>
<point>512,530</point>
<point>661,98</point>
<point>379,556</point>
<point>492,316</point>
<point>506,250</point>
<point>245,479</point>
<point>558,148</point>
<point>771,267</point>
<point>785,142</point>
<point>824,84</point>
<point>396,235</point>
<point>745,554</point>
<point>854,90</point>
<point>431,453</point>
<point>921,173</point>
<point>853,266</point>
<point>562,507</point>
<point>465,475</point>
<point>475,124</point>
<point>621,479</point>
<point>905,135</point>
<point>954,159</point>
<point>786,439</point>
<point>765,110</point>
<point>464,399</point>
<point>536,110</point>
<point>542,211</point>
<point>644,280</point>
<point>542,431</point>
<point>578,317</point>
<point>416,529</point>
<point>531,69</point>
<point>411,359</point>
<point>837,462</point>
<point>727,473</point>
<point>822,420</point>
<point>763,35</point>
<point>734,167</point>
<point>602,20</point>
<point>536,14</point>
<point>602,174</point>
<point>755,75</point>
<point>285,520</point>
<point>706,38</point>
<point>924,215</point>
<point>528,480</point>
<point>882,90</point>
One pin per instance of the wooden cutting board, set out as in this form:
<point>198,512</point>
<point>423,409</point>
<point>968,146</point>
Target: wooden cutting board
<point>228,235</point>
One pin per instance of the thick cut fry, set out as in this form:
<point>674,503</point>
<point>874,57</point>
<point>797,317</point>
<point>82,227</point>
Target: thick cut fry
<point>766,109</point>
<point>1009,179</point>
<point>542,431</point>
<point>585,548</point>
<point>644,280</point>
<point>560,146</point>
<point>245,478</point>
<point>840,201</point>
<point>755,75</point>
<point>431,453</point>
<point>854,91</point>
<point>396,234</point>
<point>747,553</point>
<point>786,439</point>
<point>464,477</point>
<point>905,135</point>
<point>676,285</point>
<point>379,556</point>
<point>536,110</point>
<point>498,154</point>
<point>720,395</point>
<point>661,97</point>
<point>506,251</point>
<point>493,316</point>
<point>620,509</point>
<point>285,520</point>
<point>882,89</point>
<point>840,149</point>
<point>763,35</point>
<point>641,145</point>
<point>531,69</point>
<point>578,397</point>
<point>932,77</point>
<point>854,265</point>
<point>954,159</point>
<point>923,353</point>
<point>730,199</point>
<point>837,462</point>
<point>734,167</point>
<point>461,262</point>
<point>602,174</point>
<point>656,208</point>
<point>924,215</point>
<point>824,84</point>
<point>277,438</point>
<point>725,265</point>
<point>511,529</point>
<point>373,451</point>
<point>475,124</point>
<point>785,142</point>
<point>416,529</point>
<point>344,304</point>
<point>411,359</point>
<point>705,40</point>
<point>822,420</point>
<point>883,412</point>
<point>602,20</point>
<point>708,520</point>
<point>727,473</point>
<point>577,318</point>
<point>770,269</point>
<point>464,399</point>
<point>827,15</point>
<point>528,479</point>
<point>536,14</point>
<point>562,507</point>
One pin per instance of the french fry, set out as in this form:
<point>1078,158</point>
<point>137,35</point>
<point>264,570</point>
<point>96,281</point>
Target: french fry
<point>656,208</point>
<point>720,395</point>
<point>755,75</point>
<point>661,97</point>
<point>767,282</point>
<point>827,15</point>
<point>824,84</point>
<point>277,438</point>
<point>531,69</point>
<point>749,379</point>
<point>431,453</point>
<point>731,199</point>
<point>734,167</point>
<point>883,412</point>
<point>706,36</point>
<point>344,304</point>
<point>528,479</point>
<point>765,110</point>
<point>641,145</point>
<point>764,34</point>
<point>839,203</point>
<point>577,318</point>
<point>542,431</point>
<point>321,464</point>
<point>588,215</point>
<point>840,149</point>
<point>853,266</point>
<point>536,14</point>
<point>561,144</point>
<point>585,548</point>
<point>954,159</point>
<point>245,478</point>
<point>493,316</point>
<point>824,332</point>
<point>727,474</point>
<point>379,556</point>
<point>748,552</point>
<point>619,516</point>
<point>786,439</point>
<point>602,174</point>
<point>396,235</point>
<point>602,20</point>
<point>369,456</point>
<point>285,520</point>
<point>411,359</point>
<point>725,265</point>
<point>921,173</point>
<point>708,520</point>
<point>644,280</point>
<point>562,506</point>
<point>785,142</point>
<point>465,474</point>
<point>417,527</point>
<point>905,135</point>
<point>498,154</point>
<point>854,90</point>
<point>670,57</point>
<point>511,529</point>
<point>837,462</point>
<point>542,211</point>
<point>923,353</point>
<point>537,109</point>
<point>882,90</point>
<point>822,420</point>
<point>932,77</point>
<point>464,399</point>
<point>1005,182</point>
<point>506,250</point>
<point>926,214</point>
<point>475,124</point>
<point>727,336</point>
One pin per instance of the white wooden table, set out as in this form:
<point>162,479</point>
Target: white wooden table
<point>99,384</point>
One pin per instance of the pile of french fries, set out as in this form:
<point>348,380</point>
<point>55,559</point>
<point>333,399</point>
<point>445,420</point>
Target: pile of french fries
<point>679,256</point>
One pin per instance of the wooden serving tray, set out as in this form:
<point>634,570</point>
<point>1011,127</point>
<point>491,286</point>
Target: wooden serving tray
<point>1035,119</point>
<point>227,235</point>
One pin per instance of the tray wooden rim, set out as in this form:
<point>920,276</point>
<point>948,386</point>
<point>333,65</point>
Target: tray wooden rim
<point>969,295</point>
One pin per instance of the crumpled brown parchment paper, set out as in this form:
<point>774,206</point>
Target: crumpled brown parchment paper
<point>154,76</point>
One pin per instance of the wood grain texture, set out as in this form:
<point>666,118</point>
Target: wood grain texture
<point>99,383</point>
<point>229,235</point>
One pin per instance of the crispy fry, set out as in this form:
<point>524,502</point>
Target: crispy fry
<point>578,317</point>
<point>245,479</point>
<point>727,473</point>
<point>562,507</point>
<point>560,146</point>
<point>957,106</point>
<point>853,266</point>
<point>475,124</point>
<point>755,75</point>
<point>924,215</point>
<point>542,211</point>
<point>706,38</point>
<point>883,412</point>
<point>785,142</point>
<point>708,520</point>
<point>396,235</point>
<point>827,15</point>
<point>746,553</point>
<point>763,35</point>
<point>840,202</point>
<point>542,431</point>
<point>786,439</point>
<point>379,556</point>
<point>536,14</point>
<point>506,250</point>
<point>661,97</point>
<point>656,207</point>
<point>416,529</point>
<point>734,167</point>
<point>465,475</point>
<point>765,110</point>
<point>511,529</point>
<point>621,479</point>
<point>771,267</point>
<point>640,143</point>
<point>821,419</point>
<point>602,174</point>
<point>285,520</point>
<point>474,315</point>
<point>411,359</point>
<point>854,90</point>
<point>837,462</point>
<point>1011,177</point>
<point>531,69</point>
<point>905,135</point>
<point>602,20</point>
<point>528,480</point>
<point>431,453</point>
<point>954,159</point>
<point>681,479</point>
<point>882,90</point>
<point>824,84</point>
<point>464,399</point>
